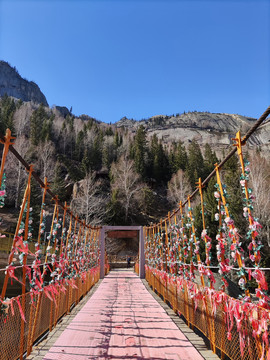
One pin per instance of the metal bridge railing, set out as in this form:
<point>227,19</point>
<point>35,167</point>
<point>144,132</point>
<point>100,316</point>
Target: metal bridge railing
<point>237,327</point>
<point>39,320</point>
<point>211,322</point>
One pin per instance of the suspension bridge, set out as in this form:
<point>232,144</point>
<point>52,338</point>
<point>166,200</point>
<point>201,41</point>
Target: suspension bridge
<point>121,318</point>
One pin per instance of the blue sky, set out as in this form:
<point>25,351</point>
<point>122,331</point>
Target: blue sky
<point>110,59</point>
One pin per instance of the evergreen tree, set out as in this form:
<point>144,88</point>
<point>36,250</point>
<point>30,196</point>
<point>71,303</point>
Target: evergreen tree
<point>140,151</point>
<point>116,139</point>
<point>71,135</point>
<point>7,110</point>
<point>115,214</point>
<point>58,184</point>
<point>95,154</point>
<point>37,120</point>
<point>109,154</point>
<point>210,159</point>
<point>158,161</point>
<point>195,168</point>
<point>171,159</point>
<point>46,131</point>
<point>181,158</point>
<point>79,145</point>
<point>86,164</point>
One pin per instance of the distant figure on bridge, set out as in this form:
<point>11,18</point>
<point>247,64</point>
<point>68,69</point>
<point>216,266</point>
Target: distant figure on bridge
<point>128,261</point>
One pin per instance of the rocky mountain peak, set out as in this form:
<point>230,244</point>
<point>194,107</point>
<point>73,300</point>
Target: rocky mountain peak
<point>12,84</point>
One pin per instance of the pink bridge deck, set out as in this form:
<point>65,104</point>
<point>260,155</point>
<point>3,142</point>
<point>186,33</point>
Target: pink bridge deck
<point>122,321</point>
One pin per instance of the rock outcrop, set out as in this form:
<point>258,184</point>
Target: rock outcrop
<point>12,84</point>
<point>214,129</point>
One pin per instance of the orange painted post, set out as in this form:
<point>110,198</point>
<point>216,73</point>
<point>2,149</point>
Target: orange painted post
<point>56,307</point>
<point>63,227</point>
<point>238,144</point>
<point>51,232</point>
<point>7,144</point>
<point>30,327</point>
<point>241,159</point>
<point>33,328</point>
<point>55,215</point>
<point>182,234</point>
<point>77,243</point>
<point>191,254</point>
<point>57,218</point>
<point>195,240</point>
<point>24,271</point>
<point>17,231</point>
<point>166,257</point>
<point>185,286</point>
<point>210,330</point>
<point>78,238</point>
<point>86,238</point>
<point>238,257</point>
<point>68,234</point>
<point>45,188</point>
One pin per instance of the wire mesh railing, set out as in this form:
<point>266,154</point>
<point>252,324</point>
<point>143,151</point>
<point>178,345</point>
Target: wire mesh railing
<point>38,319</point>
<point>52,272</point>
<point>176,271</point>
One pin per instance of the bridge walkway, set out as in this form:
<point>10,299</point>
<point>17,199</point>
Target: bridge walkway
<point>122,320</point>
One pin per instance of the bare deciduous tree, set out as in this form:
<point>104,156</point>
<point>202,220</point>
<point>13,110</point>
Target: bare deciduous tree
<point>46,152</point>
<point>178,188</point>
<point>127,183</point>
<point>15,171</point>
<point>260,183</point>
<point>89,201</point>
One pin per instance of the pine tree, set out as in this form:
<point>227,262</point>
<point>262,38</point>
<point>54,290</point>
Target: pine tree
<point>86,161</point>
<point>210,159</point>
<point>115,213</point>
<point>171,159</point>
<point>79,145</point>
<point>159,163</point>
<point>58,184</point>
<point>46,131</point>
<point>140,151</point>
<point>181,158</point>
<point>37,120</point>
<point>7,110</point>
<point>116,139</point>
<point>109,154</point>
<point>195,168</point>
<point>71,135</point>
<point>95,154</point>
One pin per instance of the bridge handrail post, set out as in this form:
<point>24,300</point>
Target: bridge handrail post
<point>211,326</point>
<point>7,142</point>
<point>17,232</point>
<point>102,252</point>
<point>25,262</point>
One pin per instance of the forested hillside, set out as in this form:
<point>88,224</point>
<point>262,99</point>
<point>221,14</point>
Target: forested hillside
<point>115,175</point>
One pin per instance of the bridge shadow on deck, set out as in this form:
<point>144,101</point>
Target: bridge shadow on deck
<point>122,321</point>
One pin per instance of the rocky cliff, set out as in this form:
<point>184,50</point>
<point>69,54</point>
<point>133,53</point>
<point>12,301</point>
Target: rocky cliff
<point>12,84</point>
<point>214,129</point>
